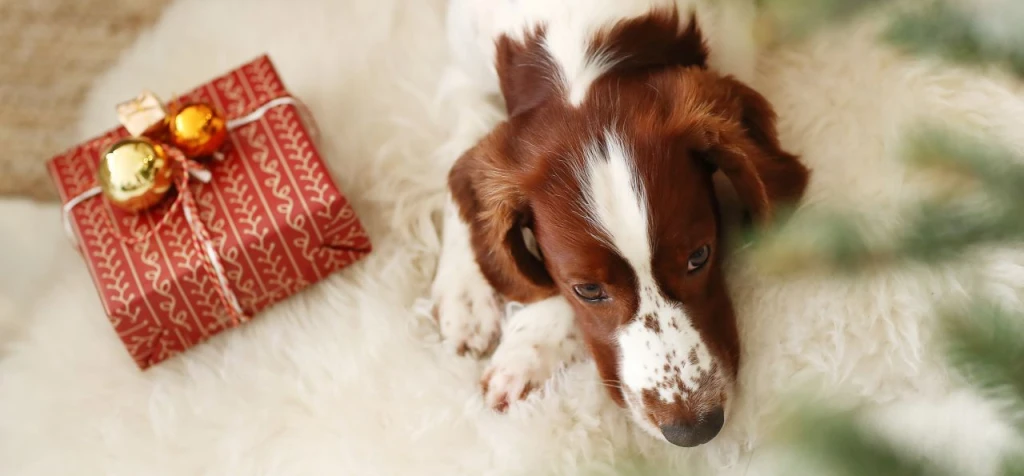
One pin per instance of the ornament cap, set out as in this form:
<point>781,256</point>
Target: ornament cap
<point>142,114</point>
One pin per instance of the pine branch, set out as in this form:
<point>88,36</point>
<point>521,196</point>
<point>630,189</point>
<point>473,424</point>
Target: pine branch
<point>814,242</point>
<point>998,168</point>
<point>961,35</point>
<point>933,231</point>
<point>1013,466</point>
<point>985,344</point>
<point>798,19</point>
<point>834,440</point>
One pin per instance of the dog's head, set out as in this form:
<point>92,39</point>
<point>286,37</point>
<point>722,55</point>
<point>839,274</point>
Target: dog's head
<point>615,186</point>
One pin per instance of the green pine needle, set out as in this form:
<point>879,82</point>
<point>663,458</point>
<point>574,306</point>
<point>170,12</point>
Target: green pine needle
<point>813,241</point>
<point>942,230</point>
<point>1013,466</point>
<point>834,440</point>
<point>937,29</point>
<point>986,345</point>
<point>943,31</point>
<point>797,19</point>
<point>933,231</point>
<point>1001,170</point>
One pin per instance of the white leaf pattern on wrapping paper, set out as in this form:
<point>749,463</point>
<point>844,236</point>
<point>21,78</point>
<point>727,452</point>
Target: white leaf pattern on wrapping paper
<point>105,263</point>
<point>191,266</point>
<point>261,246</point>
<point>264,84</point>
<point>274,216</point>
<point>270,165</point>
<point>216,225</point>
<point>273,270</point>
<point>337,217</point>
<point>234,194</point>
<point>235,105</point>
<point>96,224</point>
<point>291,150</point>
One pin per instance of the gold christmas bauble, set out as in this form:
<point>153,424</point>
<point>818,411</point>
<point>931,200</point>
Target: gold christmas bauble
<point>197,129</point>
<point>135,174</point>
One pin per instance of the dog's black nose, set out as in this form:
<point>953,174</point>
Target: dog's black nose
<point>701,431</point>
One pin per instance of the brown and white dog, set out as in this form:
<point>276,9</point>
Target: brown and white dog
<point>592,200</point>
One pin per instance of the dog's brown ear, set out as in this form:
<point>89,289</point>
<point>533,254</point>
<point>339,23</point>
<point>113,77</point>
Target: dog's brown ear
<point>484,185</point>
<point>525,71</point>
<point>746,150</point>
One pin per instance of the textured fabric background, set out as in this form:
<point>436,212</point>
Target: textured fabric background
<point>50,53</point>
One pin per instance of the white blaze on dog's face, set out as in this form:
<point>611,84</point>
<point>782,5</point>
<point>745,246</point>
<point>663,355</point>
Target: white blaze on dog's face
<point>616,184</point>
<point>663,359</point>
<point>633,240</point>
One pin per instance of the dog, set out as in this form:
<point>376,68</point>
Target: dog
<point>592,200</point>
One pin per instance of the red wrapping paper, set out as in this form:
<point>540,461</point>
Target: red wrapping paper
<point>278,221</point>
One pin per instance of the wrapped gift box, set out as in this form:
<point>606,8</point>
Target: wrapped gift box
<point>277,221</point>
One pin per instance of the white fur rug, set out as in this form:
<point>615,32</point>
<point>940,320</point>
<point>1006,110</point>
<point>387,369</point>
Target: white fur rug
<point>347,379</point>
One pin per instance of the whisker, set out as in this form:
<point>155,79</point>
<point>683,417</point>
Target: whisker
<point>611,384</point>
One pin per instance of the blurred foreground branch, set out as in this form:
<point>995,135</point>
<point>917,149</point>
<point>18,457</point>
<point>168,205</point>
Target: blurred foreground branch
<point>983,343</point>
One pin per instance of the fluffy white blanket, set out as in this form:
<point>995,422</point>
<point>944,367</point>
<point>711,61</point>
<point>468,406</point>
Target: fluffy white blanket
<point>347,379</point>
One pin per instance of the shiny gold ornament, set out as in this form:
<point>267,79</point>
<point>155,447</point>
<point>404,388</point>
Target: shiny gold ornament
<point>198,130</point>
<point>135,174</point>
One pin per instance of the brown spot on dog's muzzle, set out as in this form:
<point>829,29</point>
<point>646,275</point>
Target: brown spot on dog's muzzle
<point>694,416</point>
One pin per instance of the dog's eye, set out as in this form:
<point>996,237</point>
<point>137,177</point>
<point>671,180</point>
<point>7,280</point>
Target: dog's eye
<point>590,292</point>
<point>698,258</point>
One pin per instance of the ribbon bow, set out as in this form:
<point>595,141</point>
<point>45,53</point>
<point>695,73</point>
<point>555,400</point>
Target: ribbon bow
<point>144,118</point>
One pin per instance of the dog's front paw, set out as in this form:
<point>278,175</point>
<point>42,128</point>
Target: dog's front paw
<point>467,311</point>
<point>539,339</point>
<point>514,372</point>
<point>470,320</point>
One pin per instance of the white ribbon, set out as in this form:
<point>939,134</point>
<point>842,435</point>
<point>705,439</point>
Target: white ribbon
<point>261,111</point>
